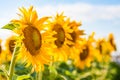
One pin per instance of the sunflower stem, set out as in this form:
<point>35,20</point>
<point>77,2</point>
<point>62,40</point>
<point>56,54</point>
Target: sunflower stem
<point>39,75</point>
<point>52,70</point>
<point>12,64</point>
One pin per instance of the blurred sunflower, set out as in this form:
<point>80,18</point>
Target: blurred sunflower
<point>95,47</point>
<point>77,33</point>
<point>83,57</point>
<point>111,42</point>
<point>36,41</point>
<point>2,54</point>
<point>76,37</point>
<point>84,52</point>
<point>9,47</point>
<point>0,51</point>
<point>104,49</point>
<point>59,24</point>
<point>0,46</point>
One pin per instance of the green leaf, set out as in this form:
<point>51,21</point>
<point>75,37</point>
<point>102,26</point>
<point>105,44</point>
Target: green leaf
<point>53,73</point>
<point>24,77</point>
<point>10,26</point>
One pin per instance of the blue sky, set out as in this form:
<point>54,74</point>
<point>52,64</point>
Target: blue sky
<point>101,16</point>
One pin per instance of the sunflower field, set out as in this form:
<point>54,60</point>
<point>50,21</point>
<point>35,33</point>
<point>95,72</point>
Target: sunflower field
<point>55,48</point>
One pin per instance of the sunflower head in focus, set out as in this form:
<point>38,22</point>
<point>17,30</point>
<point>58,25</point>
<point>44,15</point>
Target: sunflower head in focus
<point>59,24</point>
<point>35,39</point>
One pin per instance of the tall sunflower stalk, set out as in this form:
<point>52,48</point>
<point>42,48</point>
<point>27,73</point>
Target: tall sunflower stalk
<point>12,64</point>
<point>14,57</point>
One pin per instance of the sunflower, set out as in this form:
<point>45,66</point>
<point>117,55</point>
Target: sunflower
<point>9,47</point>
<point>83,57</point>
<point>104,49</point>
<point>0,46</point>
<point>59,24</point>
<point>95,47</point>
<point>111,42</point>
<point>2,54</point>
<point>0,50</point>
<point>36,40</point>
<point>77,33</point>
<point>84,52</point>
<point>76,36</point>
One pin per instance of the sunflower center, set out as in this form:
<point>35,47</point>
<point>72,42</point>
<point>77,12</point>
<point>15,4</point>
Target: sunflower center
<point>11,45</point>
<point>32,40</point>
<point>84,54</point>
<point>60,35</point>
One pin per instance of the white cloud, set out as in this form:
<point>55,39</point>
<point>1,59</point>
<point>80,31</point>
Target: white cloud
<point>83,11</point>
<point>78,11</point>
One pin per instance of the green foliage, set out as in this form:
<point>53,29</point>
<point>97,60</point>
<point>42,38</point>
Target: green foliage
<point>24,77</point>
<point>10,26</point>
<point>67,71</point>
<point>113,71</point>
<point>20,69</point>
